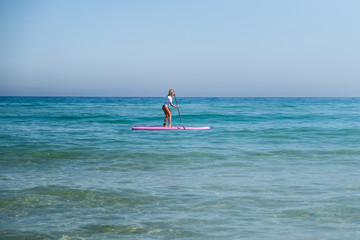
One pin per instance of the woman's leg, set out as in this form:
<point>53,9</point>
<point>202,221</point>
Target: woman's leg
<point>167,115</point>
<point>170,119</point>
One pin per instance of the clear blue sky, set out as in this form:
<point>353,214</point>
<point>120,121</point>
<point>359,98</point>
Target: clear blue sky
<point>197,47</point>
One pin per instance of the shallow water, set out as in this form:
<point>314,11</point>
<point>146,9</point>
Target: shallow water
<point>269,168</point>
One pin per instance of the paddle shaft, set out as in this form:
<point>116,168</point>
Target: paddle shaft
<point>179,113</point>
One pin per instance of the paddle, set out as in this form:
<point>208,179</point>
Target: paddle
<point>179,113</point>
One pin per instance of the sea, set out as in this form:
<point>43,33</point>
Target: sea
<point>269,168</point>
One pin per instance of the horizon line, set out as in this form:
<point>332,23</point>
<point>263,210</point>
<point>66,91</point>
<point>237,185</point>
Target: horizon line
<point>65,96</point>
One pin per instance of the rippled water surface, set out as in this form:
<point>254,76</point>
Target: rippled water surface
<point>269,168</point>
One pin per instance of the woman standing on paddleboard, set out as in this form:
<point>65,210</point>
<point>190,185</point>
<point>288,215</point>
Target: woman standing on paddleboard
<point>166,107</point>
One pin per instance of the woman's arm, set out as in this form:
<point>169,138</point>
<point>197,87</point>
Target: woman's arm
<point>173,105</point>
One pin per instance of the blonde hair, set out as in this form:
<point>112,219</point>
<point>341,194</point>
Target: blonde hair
<point>171,92</point>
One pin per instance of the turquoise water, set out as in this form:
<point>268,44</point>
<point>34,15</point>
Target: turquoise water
<point>269,168</point>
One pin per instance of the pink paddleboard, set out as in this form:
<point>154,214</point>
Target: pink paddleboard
<point>154,128</point>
